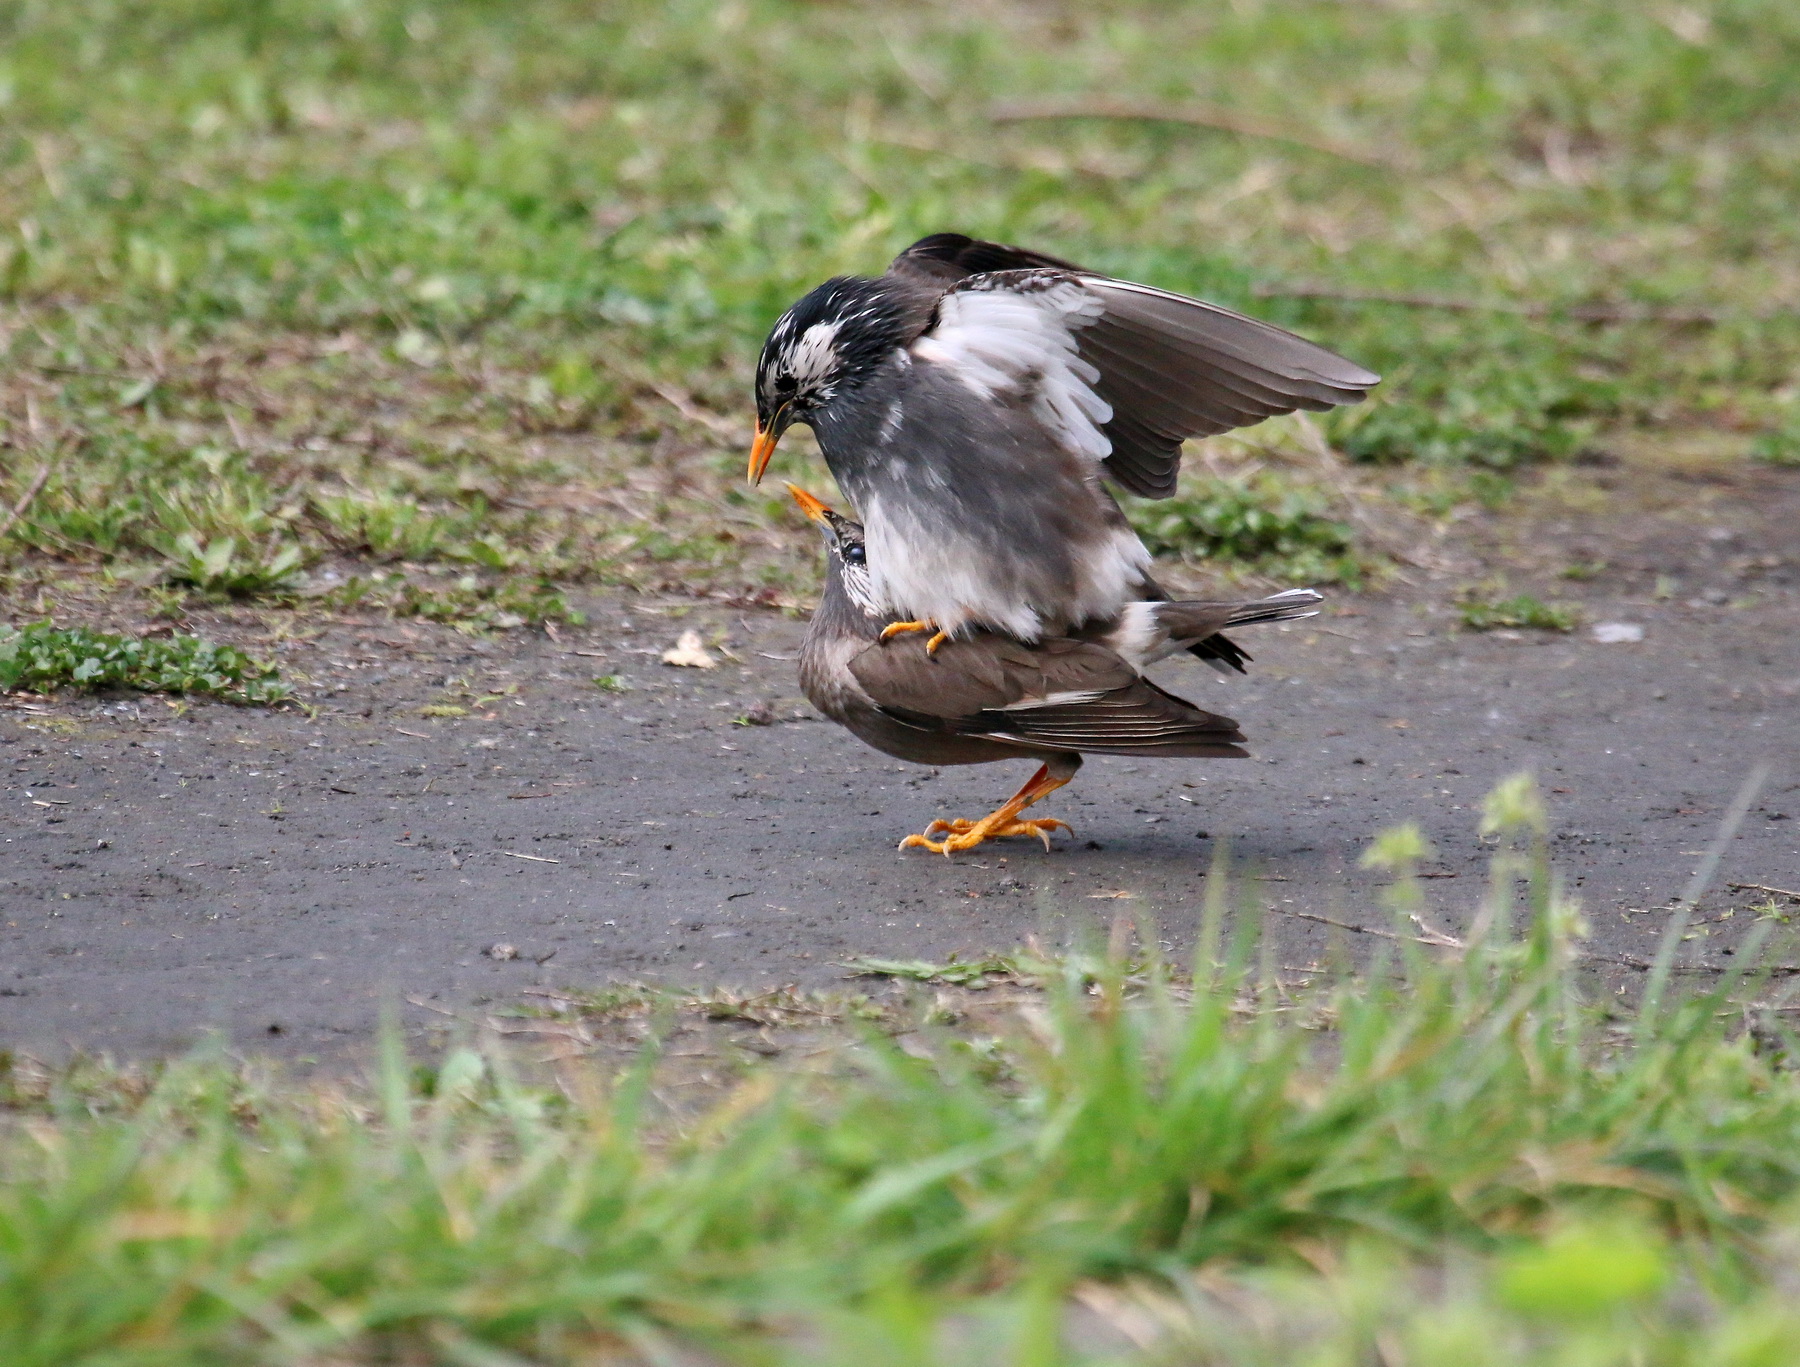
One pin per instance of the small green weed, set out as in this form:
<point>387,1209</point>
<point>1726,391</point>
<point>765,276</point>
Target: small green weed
<point>1521,611</point>
<point>1583,570</point>
<point>975,973</point>
<point>43,658</point>
<point>469,605</point>
<point>1264,521</point>
<point>391,528</point>
<point>1475,411</point>
<point>611,683</point>
<point>228,568</point>
<point>1779,446</point>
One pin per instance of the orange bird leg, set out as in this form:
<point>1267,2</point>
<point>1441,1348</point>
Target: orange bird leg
<point>893,629</point>
<point>962,834</point>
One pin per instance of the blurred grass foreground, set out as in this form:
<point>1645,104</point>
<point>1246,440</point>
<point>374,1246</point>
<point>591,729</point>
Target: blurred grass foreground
<point>474,287</point>
<point>1451,1156</point>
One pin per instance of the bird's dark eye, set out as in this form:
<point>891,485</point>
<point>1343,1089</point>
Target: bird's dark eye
<point>785,384</point>
<point>855,555</point>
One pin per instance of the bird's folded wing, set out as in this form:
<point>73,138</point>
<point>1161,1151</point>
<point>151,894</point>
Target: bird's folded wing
<point>1137,719</point>
<point>985,673</point>
<point>1061,694</point>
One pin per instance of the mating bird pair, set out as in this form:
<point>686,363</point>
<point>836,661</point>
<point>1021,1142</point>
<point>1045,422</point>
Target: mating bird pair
<point>994,602</point>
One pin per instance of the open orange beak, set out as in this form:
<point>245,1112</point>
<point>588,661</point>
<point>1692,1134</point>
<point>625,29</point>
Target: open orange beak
<point>767,439</point>
<point>809,505</point>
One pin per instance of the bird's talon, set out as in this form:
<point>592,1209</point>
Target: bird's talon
<point>961,834</point>
<point>922,842</point>
<point>893,629</point>
<point>931,646</point>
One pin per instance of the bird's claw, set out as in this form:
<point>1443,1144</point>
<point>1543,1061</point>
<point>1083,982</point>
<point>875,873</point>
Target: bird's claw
<point>893,629</point>
<point>962,834</point>
<point>938,637</point>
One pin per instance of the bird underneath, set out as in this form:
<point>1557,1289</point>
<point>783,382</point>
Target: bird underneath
<point>986,696</point>
<point>973,402</point>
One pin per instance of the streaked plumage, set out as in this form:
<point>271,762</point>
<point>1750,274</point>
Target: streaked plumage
<point>972,400</point>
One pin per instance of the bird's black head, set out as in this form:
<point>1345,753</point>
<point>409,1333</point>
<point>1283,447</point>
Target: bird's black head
<point>821,349</point>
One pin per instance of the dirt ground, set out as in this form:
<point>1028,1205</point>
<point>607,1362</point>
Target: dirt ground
<point>168,870</point>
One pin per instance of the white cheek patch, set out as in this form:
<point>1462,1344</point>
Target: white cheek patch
<point>861,589</point>
<point>1007,341</point>
<point>814,356</point>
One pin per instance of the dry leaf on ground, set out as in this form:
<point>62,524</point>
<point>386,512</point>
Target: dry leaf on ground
<point>689,652</point>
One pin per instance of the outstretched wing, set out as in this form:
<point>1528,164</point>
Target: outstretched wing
<point>1173,368</point>
<point>1165,367</point>
<point>1059,695</point>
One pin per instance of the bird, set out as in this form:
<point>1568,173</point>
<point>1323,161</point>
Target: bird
<point>987,696</point>
<point>971,401</point>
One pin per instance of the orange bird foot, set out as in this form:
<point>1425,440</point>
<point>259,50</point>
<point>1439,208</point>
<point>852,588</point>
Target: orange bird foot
<point>963,834</point>
<point>893,629</point>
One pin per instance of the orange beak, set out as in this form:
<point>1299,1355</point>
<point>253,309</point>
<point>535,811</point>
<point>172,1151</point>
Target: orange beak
<point>809,505</point>
<point>767,438</point>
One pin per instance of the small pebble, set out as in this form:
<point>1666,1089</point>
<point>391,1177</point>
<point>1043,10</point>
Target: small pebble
<point>502,952</point>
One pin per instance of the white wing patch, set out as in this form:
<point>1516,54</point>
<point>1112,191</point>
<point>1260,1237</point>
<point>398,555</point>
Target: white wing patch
<point>1022,342</point>
<point>1054,700</point>
<point>1139,638</point>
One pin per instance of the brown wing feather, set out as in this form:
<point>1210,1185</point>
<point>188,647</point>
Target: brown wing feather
<point>1180,367</point>
<point>1139,719</point>
<point>1171,367</point>
<point>983,673</point>
<point>973,688</point>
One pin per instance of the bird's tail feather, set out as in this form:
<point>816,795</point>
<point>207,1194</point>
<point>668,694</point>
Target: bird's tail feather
<point>1287,606</point>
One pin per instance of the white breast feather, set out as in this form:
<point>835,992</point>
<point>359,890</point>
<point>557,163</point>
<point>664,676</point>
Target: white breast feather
<point>1000,341</point>
<point>923,574</point>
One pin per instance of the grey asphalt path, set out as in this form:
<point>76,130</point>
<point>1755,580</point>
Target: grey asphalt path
<point>279,878</point>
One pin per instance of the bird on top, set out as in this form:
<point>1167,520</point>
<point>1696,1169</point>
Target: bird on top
<point>972,401</point>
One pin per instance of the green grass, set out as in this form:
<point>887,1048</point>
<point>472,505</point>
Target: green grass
<point>1264,522</point>
<point>41,658</point>
<point>1452,1154</point>
<point>1779,446</point>
<point>467,604</point>
<point>479,285</point>
<point>1486,614</point>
